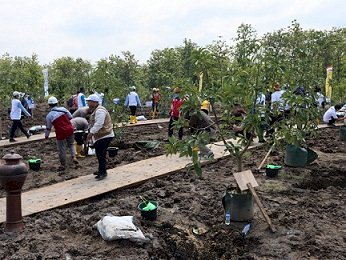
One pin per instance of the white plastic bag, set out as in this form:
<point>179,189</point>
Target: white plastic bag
<point>141,118</point>
<point>112,227</point>
<point>91,151</point>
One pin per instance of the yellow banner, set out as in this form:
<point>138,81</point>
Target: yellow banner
<point>328,78</point>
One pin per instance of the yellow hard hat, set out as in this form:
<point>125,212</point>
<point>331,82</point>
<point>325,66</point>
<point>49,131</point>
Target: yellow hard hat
<point>205,105</point>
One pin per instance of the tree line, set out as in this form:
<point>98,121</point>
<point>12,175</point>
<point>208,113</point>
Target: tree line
<point>292,56</point>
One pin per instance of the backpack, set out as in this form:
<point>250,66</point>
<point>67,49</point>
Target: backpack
<point>175,108</point>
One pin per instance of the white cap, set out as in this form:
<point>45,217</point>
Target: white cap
<point>52,101</point>
<point>15,93</point>
<point>93,97</point>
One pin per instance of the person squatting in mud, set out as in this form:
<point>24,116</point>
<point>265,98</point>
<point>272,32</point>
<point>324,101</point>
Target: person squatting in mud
<point>60,117</point>
<point>100,133</point>
<point>199,122</point>
<point>80,126</point>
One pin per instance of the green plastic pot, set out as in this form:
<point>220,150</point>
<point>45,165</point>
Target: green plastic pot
<point>35,164</point>
<point>148,210</point>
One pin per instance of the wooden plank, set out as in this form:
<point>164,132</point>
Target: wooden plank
<point>84,187</point>
<point>243,178</point>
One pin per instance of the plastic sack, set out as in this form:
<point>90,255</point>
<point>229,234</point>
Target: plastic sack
<point>112,228</point>
<point>141,118</point>
<point>37,129</point>
<point>91,151</point>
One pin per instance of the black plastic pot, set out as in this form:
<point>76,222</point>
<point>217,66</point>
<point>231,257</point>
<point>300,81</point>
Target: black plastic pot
<point>35,164</point>
<point>272,173</point>
<point>295,156</point>
<point>148,214</point>
<point>112,151</point>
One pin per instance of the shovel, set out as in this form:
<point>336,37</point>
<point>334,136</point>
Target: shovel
<point>264,159</point>
<point>246,180</point>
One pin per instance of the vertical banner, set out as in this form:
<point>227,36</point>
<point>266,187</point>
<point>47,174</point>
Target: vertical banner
<point>329,70</point>
<point>200,81</point>
<point>45,84</point>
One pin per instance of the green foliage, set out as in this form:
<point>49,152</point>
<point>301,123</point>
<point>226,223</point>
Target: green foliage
<point>300,123</point>
<point>23,74</point>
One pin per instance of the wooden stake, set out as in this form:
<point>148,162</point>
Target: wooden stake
<point>265,158</point>
<point>259,204</point>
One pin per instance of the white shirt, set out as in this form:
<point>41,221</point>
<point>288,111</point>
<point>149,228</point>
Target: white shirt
<point>79,100</point>
<point>320,98</point>
<point>276,98</point>
<point>329,114</point>
<point>16,110</point>
<point>100,116</point>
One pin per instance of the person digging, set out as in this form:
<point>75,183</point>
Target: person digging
<point>100,133</point>
<point>59,117</point>
<point>201,122</point>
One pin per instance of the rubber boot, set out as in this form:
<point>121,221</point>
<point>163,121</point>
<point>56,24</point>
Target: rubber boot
<point>79,149</point>
<point>74,159</point>
<point>135,118</point>
<point>132,119</point>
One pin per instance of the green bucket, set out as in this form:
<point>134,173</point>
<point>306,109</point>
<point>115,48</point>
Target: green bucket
<point>35,164</point>
<point>272,170</point>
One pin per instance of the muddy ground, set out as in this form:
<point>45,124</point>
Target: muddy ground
<point>306,205</point>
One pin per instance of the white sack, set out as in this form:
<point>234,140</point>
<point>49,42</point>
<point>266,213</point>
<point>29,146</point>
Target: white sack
<point>112,227</point>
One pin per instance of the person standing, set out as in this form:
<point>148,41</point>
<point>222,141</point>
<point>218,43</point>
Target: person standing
<point>174,113</point>
<point>81,98</point>
<point>60,117</point>
<point>15,115</point>
<point>100,133</point>
<point>132,101</point>
<point>156,97</point>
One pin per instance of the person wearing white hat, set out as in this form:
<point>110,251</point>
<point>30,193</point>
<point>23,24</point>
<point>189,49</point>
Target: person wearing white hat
<point>132,101</point>
<point>15,115</point>
<point>100,133</point>
<point>60,117</point>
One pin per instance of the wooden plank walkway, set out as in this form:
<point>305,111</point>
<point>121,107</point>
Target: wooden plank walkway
<point>84,187</point>
<point>38,137</point>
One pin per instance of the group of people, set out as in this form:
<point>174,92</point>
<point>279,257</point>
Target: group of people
<point>91,122</point>
<point>70,128</point>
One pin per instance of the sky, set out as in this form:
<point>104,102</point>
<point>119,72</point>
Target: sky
<point>95,29</point>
